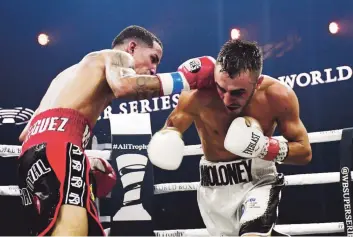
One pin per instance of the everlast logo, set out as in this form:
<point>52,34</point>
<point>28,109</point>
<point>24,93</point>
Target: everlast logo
<point>251,147</point>
<point>227,174</point>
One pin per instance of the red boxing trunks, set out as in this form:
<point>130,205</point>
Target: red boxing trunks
<point>54,170</point>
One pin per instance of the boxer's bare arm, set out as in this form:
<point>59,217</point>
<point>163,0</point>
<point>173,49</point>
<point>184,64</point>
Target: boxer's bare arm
<point>290,124</point>
<point>118,68</point>
<point>183,115</point>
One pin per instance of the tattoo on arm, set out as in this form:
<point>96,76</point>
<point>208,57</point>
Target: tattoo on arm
<point>142,86</point>
<point>122,60</point>
<point>126,83</point>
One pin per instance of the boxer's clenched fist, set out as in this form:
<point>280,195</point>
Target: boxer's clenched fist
<point>166,148</point>
<point>199,72</point>
<point>196,73</point>
<point>246,139</point>
<point>104,175</point>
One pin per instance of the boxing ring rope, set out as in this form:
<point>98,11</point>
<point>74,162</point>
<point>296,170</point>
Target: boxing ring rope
<point>191,150</point>
<point>290,180</point>
<point>314,137</point>
<point>292,229</point>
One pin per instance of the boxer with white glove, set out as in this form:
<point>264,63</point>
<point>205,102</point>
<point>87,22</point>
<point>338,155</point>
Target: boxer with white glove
<point>240,187</point>
<point>246,139</point>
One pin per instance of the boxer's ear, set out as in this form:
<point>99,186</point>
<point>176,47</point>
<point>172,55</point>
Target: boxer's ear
<point>131,47</point>
<point>259,81</point>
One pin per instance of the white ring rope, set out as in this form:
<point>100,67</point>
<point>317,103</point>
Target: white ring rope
<point>292,229</point>
<point>314,137</point>
<point>299,179</point>
<point>11,151</point>
<point>290,180</point>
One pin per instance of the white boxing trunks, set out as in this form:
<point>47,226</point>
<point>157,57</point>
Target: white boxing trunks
<point>239,197</point>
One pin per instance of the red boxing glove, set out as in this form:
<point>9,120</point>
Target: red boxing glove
<point>104,174</point>
<point>196,73</point>
<point>199,72</point>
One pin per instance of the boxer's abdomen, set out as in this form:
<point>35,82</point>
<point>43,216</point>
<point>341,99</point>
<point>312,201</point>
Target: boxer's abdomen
<point>212,134</point>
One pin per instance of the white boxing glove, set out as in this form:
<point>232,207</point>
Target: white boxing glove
<point>246,139</point>
<point>166,149</point>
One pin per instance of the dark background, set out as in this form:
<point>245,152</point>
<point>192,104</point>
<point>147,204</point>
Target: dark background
<point>293,34</point>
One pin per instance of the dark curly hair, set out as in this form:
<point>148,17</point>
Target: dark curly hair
<point>237,56</point>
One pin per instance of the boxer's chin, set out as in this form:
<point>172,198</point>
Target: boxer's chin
<point>234,110</point>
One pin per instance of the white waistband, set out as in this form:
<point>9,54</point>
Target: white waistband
<point>259,163</point>
<point>235,172</point>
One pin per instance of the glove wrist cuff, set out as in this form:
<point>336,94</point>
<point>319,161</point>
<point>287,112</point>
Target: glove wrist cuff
<point>172,83</point>
<point>283,152</point>
<point>274,150</point>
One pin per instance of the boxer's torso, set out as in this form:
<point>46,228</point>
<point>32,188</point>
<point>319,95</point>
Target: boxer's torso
<point>81,87</point>
<point>213,120</point>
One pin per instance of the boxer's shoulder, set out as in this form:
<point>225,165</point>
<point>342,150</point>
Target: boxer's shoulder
<point>95,57</point>
<point>274,87</point>
<point>279,94</point>
<point>113,57</point>
<point>109,53</point>
<point>114,52</point>
<point>188,97</point>
<point>271,82</point>
<point>205,97</point>
<point>188,100</point>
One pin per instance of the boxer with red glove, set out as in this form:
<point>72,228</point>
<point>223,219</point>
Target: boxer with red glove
<point>195,73</point>
<point>104,175</point>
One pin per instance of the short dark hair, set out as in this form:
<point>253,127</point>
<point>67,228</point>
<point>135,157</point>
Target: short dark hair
<point>136,32</point>
<point>237,56</point>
